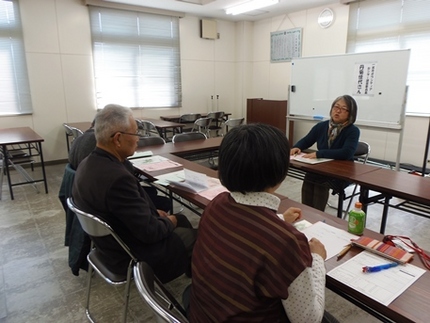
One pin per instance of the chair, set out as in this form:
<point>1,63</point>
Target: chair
<point>217,120</point>
<point>95,227</point>
<point>231,123</point>
<point>150,141</point>
<point>147,128</point>
<point>71,132</point>
<point>361,155</point>
<point>164,306</point>
<point>202,125</point>
<point>187,136</point>
<point>189,119</point>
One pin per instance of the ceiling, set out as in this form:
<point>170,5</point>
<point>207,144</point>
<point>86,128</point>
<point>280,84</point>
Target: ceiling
<point>215,8</point>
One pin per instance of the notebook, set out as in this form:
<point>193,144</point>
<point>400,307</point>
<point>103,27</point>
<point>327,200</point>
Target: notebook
<point>302,159</point>
<point>383,249</point>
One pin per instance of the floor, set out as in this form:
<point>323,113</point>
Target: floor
<point>36,284</point>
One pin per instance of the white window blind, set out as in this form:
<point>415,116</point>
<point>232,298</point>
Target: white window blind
<point>136,58</point>
<point>15,95</point>
<point>396,24</point>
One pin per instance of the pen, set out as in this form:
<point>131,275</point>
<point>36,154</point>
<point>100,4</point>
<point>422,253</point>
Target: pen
<point>344,251</point>
<point>374,269</point>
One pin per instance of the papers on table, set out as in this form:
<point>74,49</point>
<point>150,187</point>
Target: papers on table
<point>332,238</point>
<point>186,177</point>
<point>154,163</point>
<point>302,159</point>
<point>140,154</point>
<point>383,286</point>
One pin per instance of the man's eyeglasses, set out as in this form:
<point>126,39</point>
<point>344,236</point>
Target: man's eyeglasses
<point>341,109</point>
<point>127,133</point>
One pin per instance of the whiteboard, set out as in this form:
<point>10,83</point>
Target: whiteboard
<point>376,80</point>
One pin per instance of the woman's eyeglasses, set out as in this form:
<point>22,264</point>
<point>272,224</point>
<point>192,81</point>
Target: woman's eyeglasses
<point>341,109</point>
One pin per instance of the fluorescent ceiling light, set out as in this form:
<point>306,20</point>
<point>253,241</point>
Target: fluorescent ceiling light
<point>249,6</point>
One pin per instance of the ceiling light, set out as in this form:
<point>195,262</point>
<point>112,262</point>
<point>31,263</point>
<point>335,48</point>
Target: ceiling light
<point>249,6</point>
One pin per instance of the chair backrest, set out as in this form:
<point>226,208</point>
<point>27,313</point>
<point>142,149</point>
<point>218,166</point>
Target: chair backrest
<point>95,227</point>
<point>362,152</point>
<point>189,117</point>
<point>216,115</point>
<point>187,136</point>
<point>202,125</point>
<point>163,305</point>
<point>231,123</point>
<point>147,128</point>
<point>76,132</point>
<point>68,129</point>
<point>150,141</point>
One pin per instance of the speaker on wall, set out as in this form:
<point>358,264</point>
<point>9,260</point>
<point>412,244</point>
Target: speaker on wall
<point>208,29</point>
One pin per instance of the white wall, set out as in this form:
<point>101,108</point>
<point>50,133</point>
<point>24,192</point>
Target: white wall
<point>235,67</point>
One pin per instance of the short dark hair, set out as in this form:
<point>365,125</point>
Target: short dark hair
<point>253,157</point>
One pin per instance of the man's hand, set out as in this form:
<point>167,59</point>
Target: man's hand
<point>162,213</point>
<point>292,214</point>
<point>173,219</point>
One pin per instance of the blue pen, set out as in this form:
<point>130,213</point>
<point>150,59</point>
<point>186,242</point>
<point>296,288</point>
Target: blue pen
<point>374,269</point>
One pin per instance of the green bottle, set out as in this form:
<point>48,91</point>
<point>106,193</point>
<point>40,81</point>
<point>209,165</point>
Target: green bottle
<point>356,220</point>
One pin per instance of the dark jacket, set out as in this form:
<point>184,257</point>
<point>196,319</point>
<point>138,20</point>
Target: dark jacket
<point>107,188</point>
<point>343,147</point>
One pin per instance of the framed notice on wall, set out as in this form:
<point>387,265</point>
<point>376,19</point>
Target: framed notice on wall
<point>285,45</point>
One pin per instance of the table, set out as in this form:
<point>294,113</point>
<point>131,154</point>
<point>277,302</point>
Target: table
<point>31,141</point>
<point>175,117</point>
<point>410,306</point>
<point>163,125</point>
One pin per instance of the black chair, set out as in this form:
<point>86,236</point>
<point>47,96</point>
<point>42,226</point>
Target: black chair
<point>71,132</point>
<point>189,119</point>
<point>147,128</point>
<point>95,227</point>
<point>164,306</point>
<point>216,122</point>
<point>187,136</point>
<point>150,141</point>
<point>361,155</point>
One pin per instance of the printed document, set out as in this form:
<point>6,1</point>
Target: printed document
<point>302,159</point>
<point>383,286</point>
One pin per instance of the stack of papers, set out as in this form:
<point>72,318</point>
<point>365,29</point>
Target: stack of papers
<point>302,159</point>
<point>194,182</point>
<point>155,163</point>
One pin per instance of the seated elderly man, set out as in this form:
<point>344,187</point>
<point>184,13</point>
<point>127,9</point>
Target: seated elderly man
<point>104,185</point>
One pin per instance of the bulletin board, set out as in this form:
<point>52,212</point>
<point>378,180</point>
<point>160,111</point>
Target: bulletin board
<point>285,45</point>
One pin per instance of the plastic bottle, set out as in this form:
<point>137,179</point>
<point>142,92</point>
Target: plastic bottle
<point>356,220</point>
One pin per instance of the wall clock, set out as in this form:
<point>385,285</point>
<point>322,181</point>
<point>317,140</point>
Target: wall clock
<point>326,17</point>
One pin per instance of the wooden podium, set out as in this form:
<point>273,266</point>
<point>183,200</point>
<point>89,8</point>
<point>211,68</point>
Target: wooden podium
<point>271,112</point>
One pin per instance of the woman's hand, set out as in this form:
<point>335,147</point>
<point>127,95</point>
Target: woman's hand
<point>295,151</point>
<point>317,247</point>
<point>310,155</point>
<point>292,214</point>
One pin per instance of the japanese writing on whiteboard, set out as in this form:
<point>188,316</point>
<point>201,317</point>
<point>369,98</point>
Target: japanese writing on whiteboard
<point>364,78</point>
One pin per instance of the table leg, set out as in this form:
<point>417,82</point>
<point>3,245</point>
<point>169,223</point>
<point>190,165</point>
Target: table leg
<point>43,166</point>
<point>385,214</point>
<point>6,165</point>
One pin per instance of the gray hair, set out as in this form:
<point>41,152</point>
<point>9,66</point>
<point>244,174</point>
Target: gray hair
<point>111,119</point>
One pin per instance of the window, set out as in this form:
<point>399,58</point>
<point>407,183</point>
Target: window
<point>136,58</point>
<point>404,24</point>
<point>15,95</point>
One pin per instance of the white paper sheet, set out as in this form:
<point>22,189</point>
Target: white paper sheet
<point>332,238</point>
<point>383,286</point>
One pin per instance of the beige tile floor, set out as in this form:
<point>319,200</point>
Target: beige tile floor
<point>36,284</point>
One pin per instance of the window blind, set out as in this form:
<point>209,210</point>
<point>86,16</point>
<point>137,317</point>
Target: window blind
<point>136,58</point>
<point>396,24</point>
<point>15,95</point>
